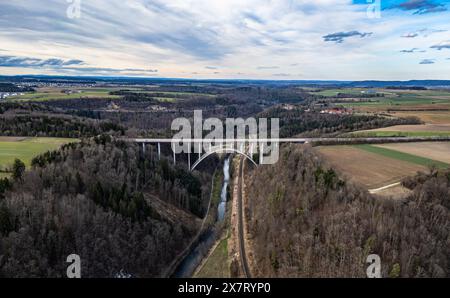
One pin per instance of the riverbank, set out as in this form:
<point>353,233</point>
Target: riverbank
<point>214,226</point>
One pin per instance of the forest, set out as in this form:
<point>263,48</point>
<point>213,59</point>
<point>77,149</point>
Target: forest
<point>314,124</point>
<point>100,199</point>
<point>308,222</point>
<point>9,87</point>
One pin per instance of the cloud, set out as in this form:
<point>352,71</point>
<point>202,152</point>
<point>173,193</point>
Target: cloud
<point>13,61</point>
<point>281,74</point>
<point>442,45</point>
<point>422,6</point>
<point>254,18</point>
<point>413,50</point>
<point>72,65</point>
<point>339,37</point>
<point>178,38</point>
<point>410,35</point>
<point>427,32</point>
<point>422,32</point>
<point>267,67</point>
<point>427,61</point>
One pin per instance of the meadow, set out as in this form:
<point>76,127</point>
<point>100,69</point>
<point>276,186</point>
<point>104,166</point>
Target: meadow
<point>56,94</point>
<point>26,149</point>
<point>217,265</point>
<point>424,130</point>
<point>392,99</point>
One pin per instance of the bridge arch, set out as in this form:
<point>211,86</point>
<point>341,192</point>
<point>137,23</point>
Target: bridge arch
<point>222,150</point>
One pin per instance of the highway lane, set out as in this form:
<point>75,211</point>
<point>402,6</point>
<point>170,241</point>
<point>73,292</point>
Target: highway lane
<point>295,140</point>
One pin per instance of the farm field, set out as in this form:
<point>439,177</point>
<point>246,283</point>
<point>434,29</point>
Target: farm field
<point>334,92</point>
<point>401,103</point>
<point>416,128</point>
<point>56,94</point>
<point>26,149</point>
<point>425,130</point>
<point>430,117</point>
<point>398,155</point>
<point>439,151</point>
<point>368,168</point>
<point>431,106</point>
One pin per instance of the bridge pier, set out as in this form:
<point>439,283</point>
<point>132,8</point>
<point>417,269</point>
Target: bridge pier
<point>261,153</point>
<point>159,151</point>
<point>189,156</point>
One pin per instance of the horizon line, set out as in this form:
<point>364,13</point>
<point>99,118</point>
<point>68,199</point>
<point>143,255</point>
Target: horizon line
<point>216,79</point>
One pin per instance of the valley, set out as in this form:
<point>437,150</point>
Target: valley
<point>227,217</point>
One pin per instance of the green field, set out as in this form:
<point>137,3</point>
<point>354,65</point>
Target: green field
<point>46,96</point>
<point>403,156</point>
<point>392,98</point>
<point>398,101</point>
<point>334,92</point>
<point>217,264</point>
<point>27,149</point>
<point>167,99</point>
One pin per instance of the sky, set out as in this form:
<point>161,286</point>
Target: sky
<point>228,39</point>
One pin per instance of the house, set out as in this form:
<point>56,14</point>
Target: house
<point>288,107</point>
<point>369,91</point>
<point>337,111</point>
<point>4,95</point>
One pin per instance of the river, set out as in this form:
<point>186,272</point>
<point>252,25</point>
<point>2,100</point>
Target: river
<point>208,238</point>
<point>223,196</point>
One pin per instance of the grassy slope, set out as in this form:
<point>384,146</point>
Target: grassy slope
<point>217,264</point>
<point>27,149</point>
<point>403,156</point>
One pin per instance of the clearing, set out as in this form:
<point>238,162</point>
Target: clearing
<point>26,149</point>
